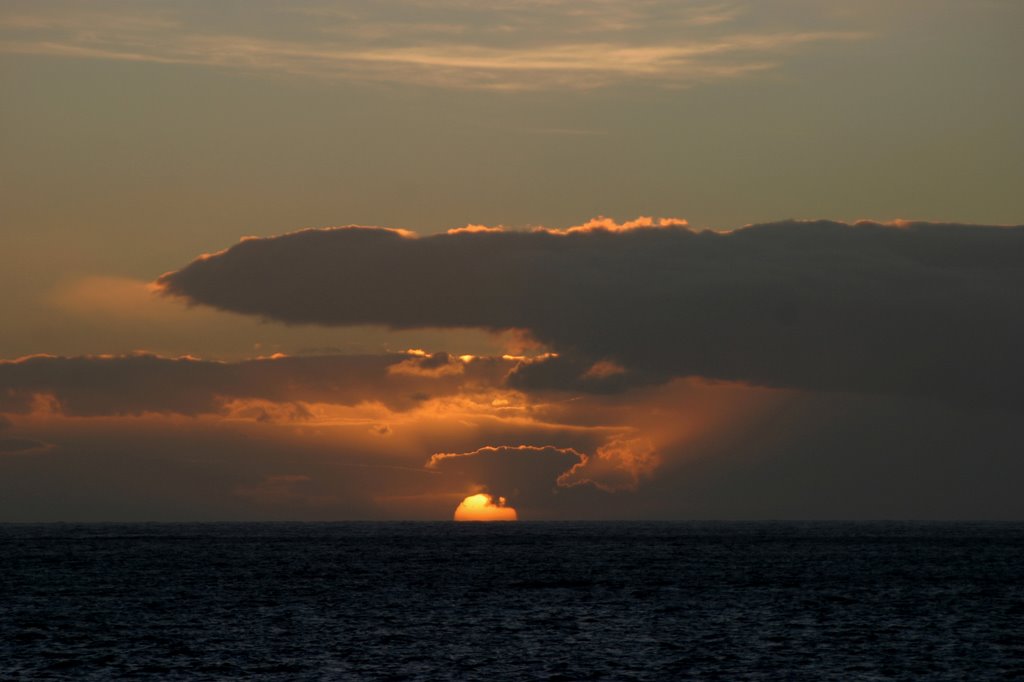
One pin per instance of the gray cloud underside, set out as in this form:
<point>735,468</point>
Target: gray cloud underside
<point>137,384</point>
<point>919,309</point>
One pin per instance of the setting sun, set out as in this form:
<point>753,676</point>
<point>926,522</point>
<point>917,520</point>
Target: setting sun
<point>481,507</point>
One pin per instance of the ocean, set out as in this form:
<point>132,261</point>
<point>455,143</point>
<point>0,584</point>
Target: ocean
<point>513,601</point>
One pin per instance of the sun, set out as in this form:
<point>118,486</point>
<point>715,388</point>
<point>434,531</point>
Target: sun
<point>482,507</point>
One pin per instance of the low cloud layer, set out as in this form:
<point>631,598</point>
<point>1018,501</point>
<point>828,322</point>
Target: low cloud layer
<point>685,449</point>
<point>929,310</point>
<point>142,383</point>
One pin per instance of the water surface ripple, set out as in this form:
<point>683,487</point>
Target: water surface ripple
<point>558,601</point>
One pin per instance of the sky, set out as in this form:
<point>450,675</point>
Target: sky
<point>599,259</point>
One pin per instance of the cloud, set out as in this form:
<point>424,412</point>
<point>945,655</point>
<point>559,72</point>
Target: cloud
<point>604,224</point>
<point>242,461</point>
<point>917,309</point>
<point>684,449</point>
<point>171,469</point>
<point>524,474</point>
<point>620,464</point>
<point>16,445</point>
<point>844,456</point>
<point>422,364</point>
<point>20,445</point>
<point>268,389</point>
<point>551,371</point>
<point>121,315</point>
<point>529,474</point>
<point>501,46</point>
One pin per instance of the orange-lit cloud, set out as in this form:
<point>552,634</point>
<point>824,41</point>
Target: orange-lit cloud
<point>482,507</point>
<point>686,449</point>
<point>472,228</point>
<point>598,224</point>
<point>620,464</point>
<point>603,224</point>
<point>430,366</point>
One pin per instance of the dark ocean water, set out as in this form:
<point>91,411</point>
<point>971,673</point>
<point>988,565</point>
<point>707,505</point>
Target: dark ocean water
<point>565,601</point>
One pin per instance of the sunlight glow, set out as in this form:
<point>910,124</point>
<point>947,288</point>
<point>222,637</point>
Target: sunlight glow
<point>481,507</point>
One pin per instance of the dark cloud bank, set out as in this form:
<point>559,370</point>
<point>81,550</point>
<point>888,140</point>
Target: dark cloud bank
<point>933,310</point>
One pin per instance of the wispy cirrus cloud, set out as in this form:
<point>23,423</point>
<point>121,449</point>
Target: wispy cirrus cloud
<point>510,46</point>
